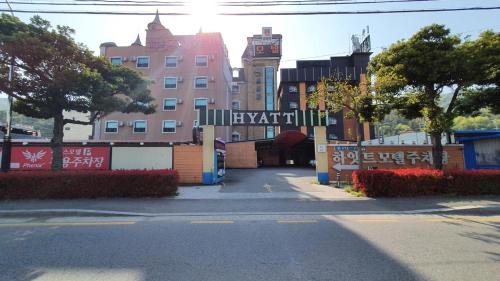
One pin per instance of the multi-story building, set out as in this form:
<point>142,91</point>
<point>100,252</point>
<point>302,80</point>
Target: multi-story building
<point>297,83</point>
<point>255,84</point>
<point>188,72</point>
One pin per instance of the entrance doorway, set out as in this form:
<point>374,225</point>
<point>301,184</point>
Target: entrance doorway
<point>290,148</point>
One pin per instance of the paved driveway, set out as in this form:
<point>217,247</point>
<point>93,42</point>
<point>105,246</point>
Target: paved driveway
<point>281,179</point>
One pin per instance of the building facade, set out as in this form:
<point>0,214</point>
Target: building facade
<point>254,86</point>
<point>297,83</point>
<point>187,72</point>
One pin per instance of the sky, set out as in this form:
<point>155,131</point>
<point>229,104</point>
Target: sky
<point>304,37</point>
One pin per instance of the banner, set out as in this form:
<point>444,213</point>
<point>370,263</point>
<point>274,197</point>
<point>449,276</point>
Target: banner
<point>74,158</point>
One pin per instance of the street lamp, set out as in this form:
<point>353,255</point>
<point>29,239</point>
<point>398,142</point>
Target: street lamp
<point>7,140</point>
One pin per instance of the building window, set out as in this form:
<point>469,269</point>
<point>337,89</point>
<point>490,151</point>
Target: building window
<point>311,89</point>
<point>170,83</point>
<point>111,127</point>
<point>235,136</point>
<point>235,88</point>
<point>201,61</point>
<point>332,136</point>
<point>142,62</point>
<point>257,80</point>
<point>269,78</point>
<point>201,82</point>
<point>269,132</point>
<point>170,61</point>
<point>293,89</point>
<point>235,105</point>
<point>201,103</point>
<point>140,126</point>
<point>116,60</point>
<point>294,105</point>
<point>169,126</point>
<point>169,104</point>
<point>332,120</point>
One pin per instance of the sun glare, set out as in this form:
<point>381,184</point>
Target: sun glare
<point>204,12</point>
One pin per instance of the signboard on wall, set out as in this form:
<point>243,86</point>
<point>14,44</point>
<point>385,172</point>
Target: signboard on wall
<point>224,117</point>
<point>74,158</point>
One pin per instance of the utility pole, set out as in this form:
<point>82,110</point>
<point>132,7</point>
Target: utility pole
<point>7,139</point>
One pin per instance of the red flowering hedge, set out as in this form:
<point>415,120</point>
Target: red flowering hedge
<point>87,184</point>
<point>412,182</point>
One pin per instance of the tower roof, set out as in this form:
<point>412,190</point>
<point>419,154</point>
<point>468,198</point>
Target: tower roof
<point>137,41</point>
<point>156,23</point>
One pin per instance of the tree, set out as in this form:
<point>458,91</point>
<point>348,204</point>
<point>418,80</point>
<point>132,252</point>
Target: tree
<point>53,74</point>
<point>412,74</point>
<point>342,94</point>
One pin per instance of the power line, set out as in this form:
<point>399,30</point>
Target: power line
<point>75,12</point>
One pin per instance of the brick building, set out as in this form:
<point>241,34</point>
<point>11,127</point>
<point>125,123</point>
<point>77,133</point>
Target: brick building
<point>255,84</point>
<point>188,72</point>
<point>297,83</point>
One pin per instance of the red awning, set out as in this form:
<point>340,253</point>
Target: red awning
<point>288,139</point>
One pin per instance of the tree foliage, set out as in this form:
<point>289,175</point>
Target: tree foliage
<point>53,74</point>
<point>412,74</point>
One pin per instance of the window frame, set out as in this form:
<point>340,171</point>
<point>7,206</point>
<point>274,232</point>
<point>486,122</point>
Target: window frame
<point>163,126</point>
<point>295,91</point>
<point>196,63</point>
<point>239,104</point>
<point>235,84</point>
<point>111,60</point>
<point>145,127</point>
<point>137,62</point>
<point>194,102</point>
<point>165,82</point>
<point>176,61</point>
<point>175,99</point>
<point>235,133</point>
<point>200,77</point>
<point>296,105</point>
<point>106,126</point>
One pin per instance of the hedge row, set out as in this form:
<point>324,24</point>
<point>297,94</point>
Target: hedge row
<point>87,184</point>
<point>413,182</point>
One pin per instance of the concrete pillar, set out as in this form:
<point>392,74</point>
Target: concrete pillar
<point>208,154</point>
<point>321,155</point>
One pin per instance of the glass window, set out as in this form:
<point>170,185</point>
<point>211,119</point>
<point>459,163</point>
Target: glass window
<point>294,105</point>
<point>257,80</point>
<point>269,76</point>
<point>140,126</point>
<point>235,88</point>
<point>111,127</point>
<point>200,103</point>
<point>293,89</point>
<point>311,89</point>
<point>235,105</point>
<point>169,126</point>
<point>116,60</point>
<point>269,132</point>
<point>171,61</point>
<point>201,60</point>
<point>143,62</point>
<point>169,104</point>
<point>201,82</point>
<point>170,83</point>
<point>332,136</point>
<point>235,136</point>
<point>332,120</point>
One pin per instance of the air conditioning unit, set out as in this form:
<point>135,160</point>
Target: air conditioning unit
<point>180,79</point>
<point>120,124</point>
<point>124,59</point>
<point>212,79</point>
<point>211,101</point>
<point>180,58</point>
<point>212,57</point>
<point>180,101</point>
<point>133,58</point>
<point>130,123</point>
<point>179,123</point>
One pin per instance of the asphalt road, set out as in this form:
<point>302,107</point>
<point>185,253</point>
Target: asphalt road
<point>257,247</point>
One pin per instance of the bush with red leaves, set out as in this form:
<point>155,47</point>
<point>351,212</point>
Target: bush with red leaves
<point>87,184</point>
<point>414,182</point>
